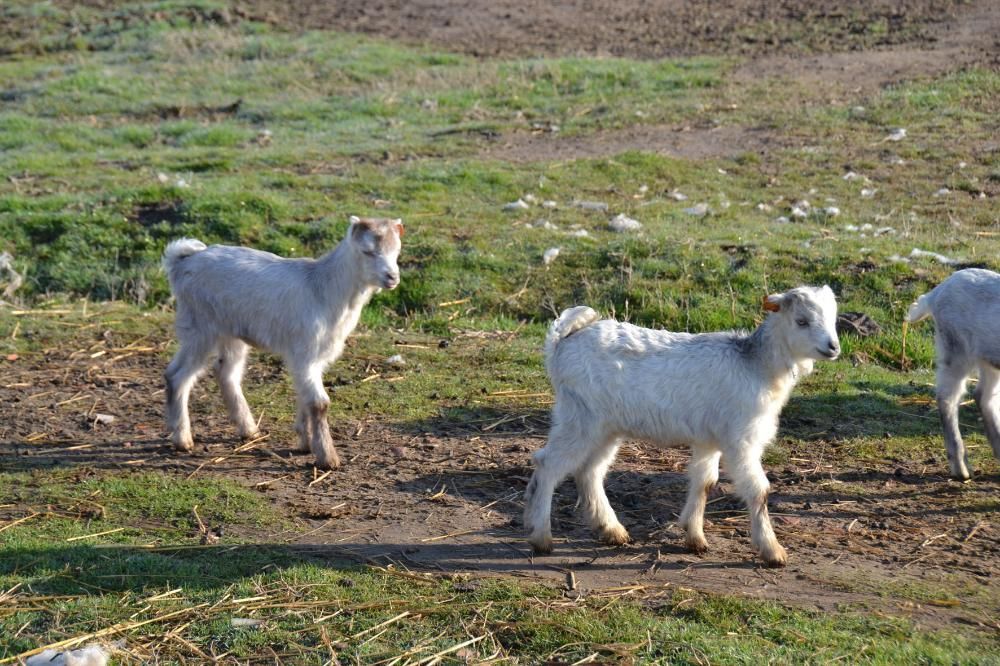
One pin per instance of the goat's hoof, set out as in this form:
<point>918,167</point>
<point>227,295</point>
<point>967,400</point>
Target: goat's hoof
<point>247,435</point>
<point>541,545</point>
<point>777,557</point>
<point>697,545</point>
<point>183,444</point>
<point>328,463</point>
<point>615,535</point>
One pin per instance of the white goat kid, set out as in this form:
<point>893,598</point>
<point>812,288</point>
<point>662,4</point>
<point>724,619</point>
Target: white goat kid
<point>966,312</point>
<point>229,298</point>
<point>719,393</point>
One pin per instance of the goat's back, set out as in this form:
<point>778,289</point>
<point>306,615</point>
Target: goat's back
<point>244,293</point>
<point>966,311</point>
<point>636,377</point>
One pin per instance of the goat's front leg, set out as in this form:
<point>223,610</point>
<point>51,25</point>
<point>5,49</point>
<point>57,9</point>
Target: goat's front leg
<point>313,407</point>
<point>752,486</point>
<point>303,426</point>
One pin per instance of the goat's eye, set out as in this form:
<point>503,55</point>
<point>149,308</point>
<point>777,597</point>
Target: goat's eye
<point>802,322</point>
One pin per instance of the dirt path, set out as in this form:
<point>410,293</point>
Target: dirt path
<point>447,496</point>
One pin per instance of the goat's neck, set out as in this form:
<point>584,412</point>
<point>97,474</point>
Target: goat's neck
<point>338,280</point>
<point>774,359</point>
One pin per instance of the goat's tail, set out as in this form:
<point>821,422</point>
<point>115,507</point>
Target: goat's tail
<point>570,321</point>
<point>177,250</point>
<point>921,309</point>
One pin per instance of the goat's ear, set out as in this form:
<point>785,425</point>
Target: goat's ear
<point>772,303</point>
<point>359,228</point>
<point>399,226</point>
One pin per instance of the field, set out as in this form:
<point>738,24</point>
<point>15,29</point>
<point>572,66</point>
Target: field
<point>759,148</point>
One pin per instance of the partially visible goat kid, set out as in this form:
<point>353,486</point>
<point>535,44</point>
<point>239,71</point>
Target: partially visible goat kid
<point>966,312</point>
<point>231,298</point>
<point>719,393</point>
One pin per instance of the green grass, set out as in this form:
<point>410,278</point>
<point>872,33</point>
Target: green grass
<point>120,130</point>
<point>307,606</point>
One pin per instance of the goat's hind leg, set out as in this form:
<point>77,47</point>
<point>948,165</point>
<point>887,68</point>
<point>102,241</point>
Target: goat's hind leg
<point>988,397</point>
<point>560,456</point>
<point>229,373</point>
<point>594,501</point>
<point>703,473</point>
<point>951,376</point>
<point>180,377</point>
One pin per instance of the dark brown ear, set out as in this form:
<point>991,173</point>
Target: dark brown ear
<point>399,227</point>
<point>772,303</point>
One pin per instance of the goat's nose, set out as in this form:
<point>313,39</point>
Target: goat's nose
<point>835,346</point>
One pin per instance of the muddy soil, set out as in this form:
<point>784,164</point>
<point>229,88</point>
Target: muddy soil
<point>447,496</point>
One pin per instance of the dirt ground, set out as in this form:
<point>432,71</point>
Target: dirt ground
<point>447,496</point>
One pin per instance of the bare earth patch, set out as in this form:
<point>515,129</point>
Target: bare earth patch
<point>687,142</point>
<point>446,496</point>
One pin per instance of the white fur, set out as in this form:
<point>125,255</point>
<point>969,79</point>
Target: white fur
<point>229,298</point>
<point>966,312</point>
<point>719,393</point>
<point>92,655</point>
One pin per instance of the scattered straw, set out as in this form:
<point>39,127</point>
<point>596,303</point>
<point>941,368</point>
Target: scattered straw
<point>114,629</point>
<point>91,536</point>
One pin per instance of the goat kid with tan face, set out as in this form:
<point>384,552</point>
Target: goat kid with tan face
<point>232,298</point>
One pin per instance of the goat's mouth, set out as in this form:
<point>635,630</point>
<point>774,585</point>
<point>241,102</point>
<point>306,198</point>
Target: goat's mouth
<point>829,353</point>
<point>390,284</point>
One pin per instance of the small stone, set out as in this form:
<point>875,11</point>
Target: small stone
<point>622,223</point>
<point>591,205</point>
<point>698,210</point>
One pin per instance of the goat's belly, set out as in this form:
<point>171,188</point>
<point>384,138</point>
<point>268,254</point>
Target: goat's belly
<point>663,435</point>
